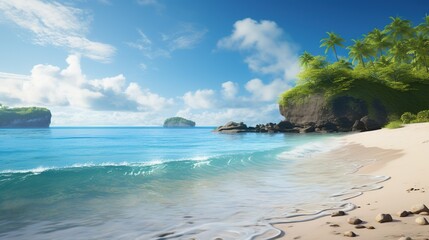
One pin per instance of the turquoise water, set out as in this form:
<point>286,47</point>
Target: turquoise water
<point>156,183</point>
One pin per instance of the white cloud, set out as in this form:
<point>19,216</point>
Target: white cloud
<point>229,89</point>
<point>52,86</point>
<point>200,99</point>
<point>186,37</point>
<point>268,52</point>
<point>266,92</point>
<point>53,23</point>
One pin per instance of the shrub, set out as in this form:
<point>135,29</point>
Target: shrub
<point>394,124</point>
<point>423,116</point>
<point>408,117</point>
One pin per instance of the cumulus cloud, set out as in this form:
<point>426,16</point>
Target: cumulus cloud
<point>53,23</point>
<point>200,99</point>
<point>266,92</point>
<point>267,50</point>
<point>50,85</point>
<point>229,89</point>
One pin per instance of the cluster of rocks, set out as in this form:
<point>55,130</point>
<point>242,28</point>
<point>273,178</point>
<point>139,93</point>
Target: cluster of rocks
<point>420,209</point>
<point>364,124</point>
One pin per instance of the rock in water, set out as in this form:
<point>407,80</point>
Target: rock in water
<point>382,218</point>
<point>178,122</point>
<point>354,220</point>
<point>24,117</point>
<point>416,209</point>
<point>421,221</point>
<point>338,213</point>
<point>349,234</point>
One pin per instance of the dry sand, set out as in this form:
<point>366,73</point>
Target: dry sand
<point>402,154</point>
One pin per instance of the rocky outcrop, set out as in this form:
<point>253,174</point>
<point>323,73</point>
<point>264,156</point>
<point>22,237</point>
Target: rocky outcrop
<point>178,122</point>
<point>341,114</point>
<point>32,117</point>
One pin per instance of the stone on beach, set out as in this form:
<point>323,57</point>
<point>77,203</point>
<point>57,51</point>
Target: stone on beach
<point>405,238</point>
<point>418,208</point>
<point>338,213</point>
<point>349,234</point>
<point>421,221</point>
<point>354,220</point>
<point>359,226</point>
<point>382,218</point>
<point>370,227</point>
<point>403,213</point>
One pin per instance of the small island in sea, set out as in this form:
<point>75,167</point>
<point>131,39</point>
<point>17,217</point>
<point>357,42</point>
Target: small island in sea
<point>24,117</point>
<point>178,122</point>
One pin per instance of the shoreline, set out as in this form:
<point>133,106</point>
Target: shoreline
<point>401,154</point>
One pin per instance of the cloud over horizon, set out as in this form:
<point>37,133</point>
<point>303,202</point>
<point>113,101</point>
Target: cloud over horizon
<point>50,85</point>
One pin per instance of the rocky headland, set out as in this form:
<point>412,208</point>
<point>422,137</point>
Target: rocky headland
<point>25,117</point>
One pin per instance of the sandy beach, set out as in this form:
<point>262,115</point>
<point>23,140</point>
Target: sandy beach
<point>403,155</point>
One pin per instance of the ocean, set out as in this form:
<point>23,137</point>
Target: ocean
<point>163,183</point>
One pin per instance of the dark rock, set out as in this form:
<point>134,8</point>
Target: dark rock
<point>403,214</point>
<point>370,124</point>
<point>354,220</point>
<point>416,209</point>
<point>382,218</point>
<point>308,129</point>
<point>359,226</point>
<point>358,126</point>
<point>370,227</point>
<point>285,125</point>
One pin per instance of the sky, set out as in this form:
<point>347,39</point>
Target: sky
<point>138,62</point>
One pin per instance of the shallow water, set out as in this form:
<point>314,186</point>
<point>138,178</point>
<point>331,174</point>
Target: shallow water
<point>156,183</point>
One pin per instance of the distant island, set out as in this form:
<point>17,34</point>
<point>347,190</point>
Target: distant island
<point>385,75</point>
<point>24,117</point>
<point>178,122</point>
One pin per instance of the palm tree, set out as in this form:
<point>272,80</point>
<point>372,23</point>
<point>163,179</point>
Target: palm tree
<point>305,59</point>
<point>331,41</point>
<point>399,52</point>
<point>383,61</point>
<point>378,39</point>
<point>419,48</point>
<point>360,50</point>
<point>399,29</point>
<point>423,28</point>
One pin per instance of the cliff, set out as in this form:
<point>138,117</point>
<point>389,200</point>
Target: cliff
<point>25,117</point>
<point>363,106</point>
<point>178,122</point>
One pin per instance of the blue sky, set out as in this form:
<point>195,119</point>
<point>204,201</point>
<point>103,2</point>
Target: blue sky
<point>137,62</point>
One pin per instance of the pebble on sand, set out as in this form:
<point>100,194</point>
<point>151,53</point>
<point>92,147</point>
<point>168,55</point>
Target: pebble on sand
<point>349,234</point>
<point>421,221</point>
<point>419,208</point>
<point>403,214</point>
<point>354,220</point>
<point>338,213</point>
<point>382,218</point>
<point>405,238</point>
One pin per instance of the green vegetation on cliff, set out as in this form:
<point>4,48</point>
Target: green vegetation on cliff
<point>24,117</point>
<point>386,67</point>
<point>178,122</point>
